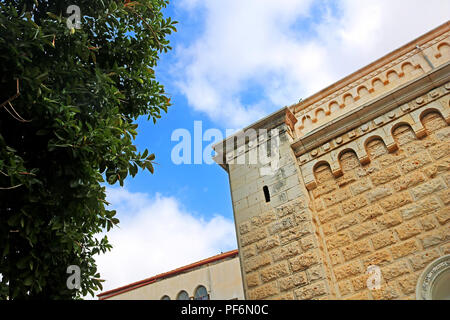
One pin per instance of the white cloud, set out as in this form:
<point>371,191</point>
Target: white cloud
<point>155,235</point>
<point>285,50</point>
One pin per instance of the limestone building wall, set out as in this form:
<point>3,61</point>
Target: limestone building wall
<point>362,179</point>
<point>392,212</point>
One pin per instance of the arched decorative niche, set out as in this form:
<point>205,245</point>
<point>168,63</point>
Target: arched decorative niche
<point>392,76</point>
<point>403,133</point>
<point>348,160</point>
<point>432,119</point>
<point>322,171</point>
<point>375,146</point>
<point>443,49</point>
<point>363,91</point>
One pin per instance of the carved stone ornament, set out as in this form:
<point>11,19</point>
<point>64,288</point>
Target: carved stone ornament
<point>434,282</point>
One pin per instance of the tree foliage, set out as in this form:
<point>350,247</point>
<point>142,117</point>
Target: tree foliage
<point>69,100</point>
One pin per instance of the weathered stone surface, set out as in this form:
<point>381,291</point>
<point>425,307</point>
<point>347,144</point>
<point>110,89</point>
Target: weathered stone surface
<point>425,206</point>
<point>328,229</point>
<point>295,233</point>
<point>304,261</point>
<point>248,252</point>
<point>268,243</point>
<point>293,281</point>
<point>404,136</point>
<point>428,222</point>
<point>345,287</point>
<point>437,168</point>
<point>244,227</point>
<point>302,216</point>
<point>284,224</point>
<point>359,231</point>
<point>441,150</point>
<point>256,262</point>
<point>285,296</point>
<point>252,280</point>
<point>376,148</point>
<point>415,162</point>
<point>370,212</point>
<point>378,258</point>
<point>443,215</point>
<point>324,188</point>
<point>443,134</point>
<point>349,161</point>
<point>346,179</point>
<point>404,248</point>
<point>396,201</point>
<point>356,249</point>
<point>407,284</point>
<point>385,293</point>
<point>308,242</point>
<point>267,218</point>
<point>360,282</point>
<point>383,239</point>
<point>315,273</point>
<point>434,238</point>
<point>253,236</point>
<point>363,295</point>
<point>286,252</point>
<point>385,175</point>
<point>354,204</point>
<point>347,270</point>
<point>345,222</point>
<point>338,240</point>
<point>421,260</point>
<point>330,214</point>
<point>310,291</point>
<point>379,193</point>
<point>389,220</point>
<point>395,269</point>
<point>392,158</point>
<point>336,257</point>
<point>428,188</point>
<point>360,186</point>
<point>408,181</point>
<point>408,229</point>
<point>336,197</point>
<point>274,272</point>
<point>264,291</point>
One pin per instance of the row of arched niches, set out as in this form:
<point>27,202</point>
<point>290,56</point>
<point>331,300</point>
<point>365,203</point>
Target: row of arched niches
<point>387,139</point>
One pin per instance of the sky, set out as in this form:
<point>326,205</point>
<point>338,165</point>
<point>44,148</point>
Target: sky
<point>234,62</point>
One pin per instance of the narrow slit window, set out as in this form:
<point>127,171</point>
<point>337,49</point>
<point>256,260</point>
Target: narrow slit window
<point>266,193</point>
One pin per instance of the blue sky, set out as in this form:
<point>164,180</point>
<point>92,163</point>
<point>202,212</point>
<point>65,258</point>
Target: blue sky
<point>234,62</point>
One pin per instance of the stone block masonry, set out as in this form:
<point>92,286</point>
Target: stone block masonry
<point>362,180</point>
<point>396,217</point>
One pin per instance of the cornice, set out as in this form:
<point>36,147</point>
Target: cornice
<point>401,66</point>
<point>371,115</point>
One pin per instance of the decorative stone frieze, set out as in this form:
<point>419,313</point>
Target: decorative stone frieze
<point>379,128</point>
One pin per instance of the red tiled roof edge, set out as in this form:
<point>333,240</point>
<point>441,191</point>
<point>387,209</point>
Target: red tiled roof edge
<point>141,283</point>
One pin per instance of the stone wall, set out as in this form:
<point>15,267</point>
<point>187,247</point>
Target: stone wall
<point>393,212</point>
<point>362,182</point>
<point>278,244</point>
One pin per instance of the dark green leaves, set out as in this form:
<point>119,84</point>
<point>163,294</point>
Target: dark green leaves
<point>82,91</point>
